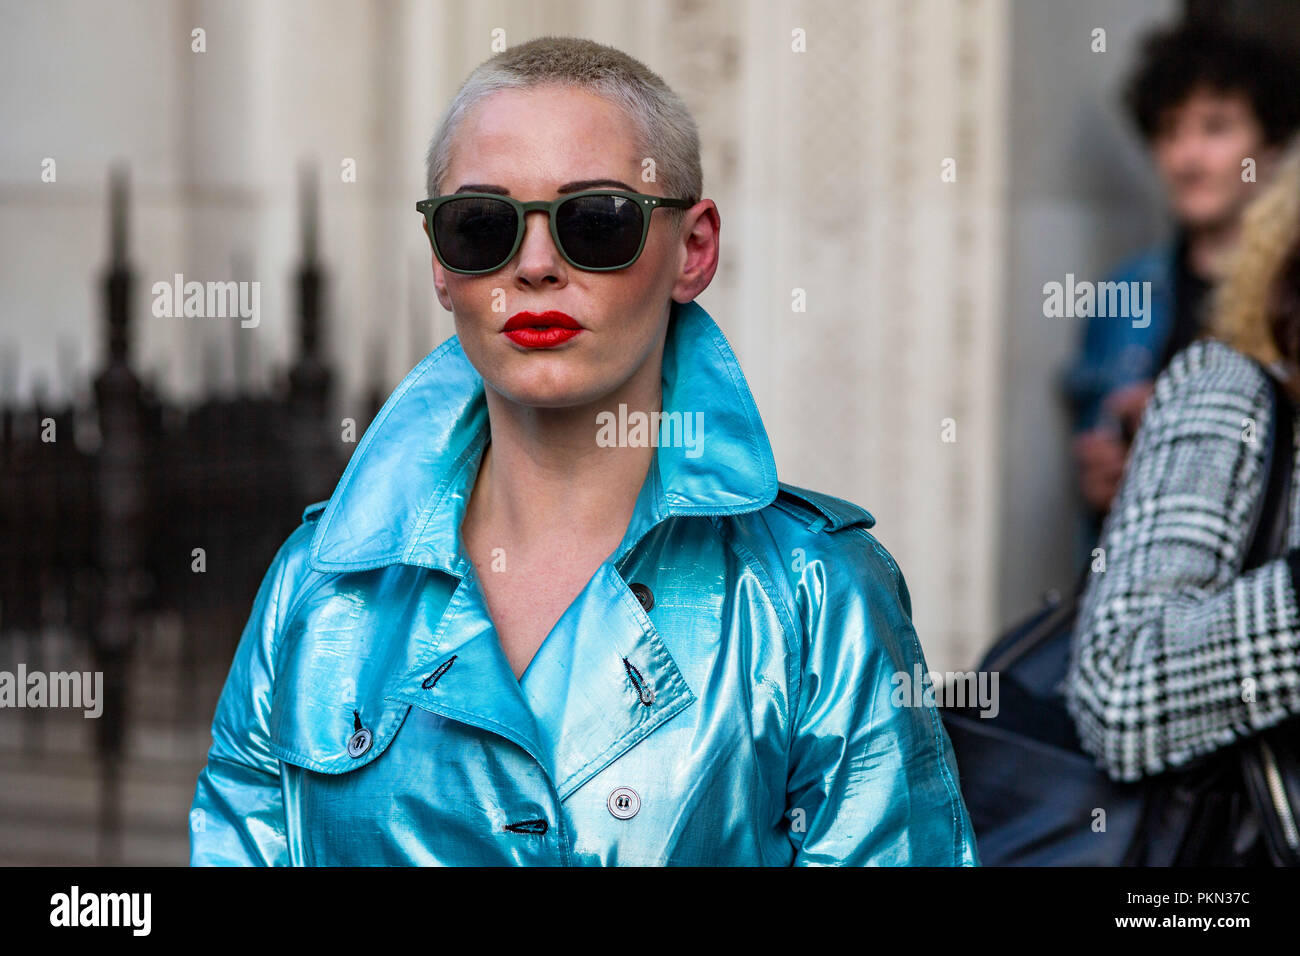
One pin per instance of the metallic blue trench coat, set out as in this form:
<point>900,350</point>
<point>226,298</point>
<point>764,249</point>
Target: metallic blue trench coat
<point>722,692</point>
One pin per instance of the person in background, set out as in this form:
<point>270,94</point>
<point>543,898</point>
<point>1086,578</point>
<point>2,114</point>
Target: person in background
<point>1205,103</point>
<point>1168,638</point>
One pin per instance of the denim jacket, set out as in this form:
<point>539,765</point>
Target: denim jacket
<point>1114,351</point>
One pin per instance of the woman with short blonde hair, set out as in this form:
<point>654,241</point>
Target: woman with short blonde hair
<point>559,610</point>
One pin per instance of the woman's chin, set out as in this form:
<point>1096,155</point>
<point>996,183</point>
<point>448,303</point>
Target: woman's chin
<point>550,391</point>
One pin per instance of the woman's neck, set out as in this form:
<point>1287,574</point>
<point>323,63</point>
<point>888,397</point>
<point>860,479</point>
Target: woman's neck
<point>544,479</point>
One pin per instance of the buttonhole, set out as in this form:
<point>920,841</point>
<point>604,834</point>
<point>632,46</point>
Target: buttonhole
<point>643,690</point>
<point>528,826</point>
<point>442,669</point>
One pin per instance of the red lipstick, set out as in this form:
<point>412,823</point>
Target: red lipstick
<point>541,330</point>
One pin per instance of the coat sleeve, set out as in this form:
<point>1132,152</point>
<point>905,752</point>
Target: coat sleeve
<point>872,775</point>
<point>237,817</point>
<point>1178,652</point>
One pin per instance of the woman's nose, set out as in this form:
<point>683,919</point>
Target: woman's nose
<point>538,259</point>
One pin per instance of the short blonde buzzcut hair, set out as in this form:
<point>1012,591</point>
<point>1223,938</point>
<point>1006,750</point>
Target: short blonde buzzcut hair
<point>664,127</point>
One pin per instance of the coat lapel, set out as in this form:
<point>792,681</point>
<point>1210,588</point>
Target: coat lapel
<point>601,682</point>
<point>466,676</point>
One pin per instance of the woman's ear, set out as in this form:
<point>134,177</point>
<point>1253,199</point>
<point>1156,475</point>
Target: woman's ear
<point>698,250</point>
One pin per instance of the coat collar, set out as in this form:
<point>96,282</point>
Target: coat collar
<point>405,490</point>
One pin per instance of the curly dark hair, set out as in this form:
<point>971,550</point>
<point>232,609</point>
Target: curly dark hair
<point>1176,61</point>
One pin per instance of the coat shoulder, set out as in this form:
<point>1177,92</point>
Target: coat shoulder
<point>1209,382</point>
<point>1212,365</point>
<point>820,511</point>
<point>832,531</point>
<point>807,546</point>
<point>825,576</point>
<point>802,526</point>
<point>290,574</point>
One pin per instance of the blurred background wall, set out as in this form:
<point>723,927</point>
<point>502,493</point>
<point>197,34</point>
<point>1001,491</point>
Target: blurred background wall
<point>1081,194</point>
<point>924,290</point>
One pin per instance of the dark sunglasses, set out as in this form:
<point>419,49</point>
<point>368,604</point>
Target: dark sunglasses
<point>597,229</point>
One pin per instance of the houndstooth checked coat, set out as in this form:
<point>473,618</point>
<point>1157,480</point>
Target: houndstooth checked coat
<point>1176,651</point>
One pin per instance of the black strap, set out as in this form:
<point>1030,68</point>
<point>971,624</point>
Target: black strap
<point>1272,514</point>
<point>1257,759</point>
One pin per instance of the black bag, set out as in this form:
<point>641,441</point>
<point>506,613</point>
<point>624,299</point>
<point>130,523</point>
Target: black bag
<point>1033,793</point>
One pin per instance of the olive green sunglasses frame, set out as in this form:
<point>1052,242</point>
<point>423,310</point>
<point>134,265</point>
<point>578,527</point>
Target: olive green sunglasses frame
<point>648,205</point>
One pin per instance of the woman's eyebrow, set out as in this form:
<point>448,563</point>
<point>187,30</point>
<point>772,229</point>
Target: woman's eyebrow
<point>566,188</point>
<point>592,184</point>
<point>481,188</point>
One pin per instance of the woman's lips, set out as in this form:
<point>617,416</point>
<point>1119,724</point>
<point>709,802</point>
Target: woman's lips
<point>541,338</point>
<point>540,330</point>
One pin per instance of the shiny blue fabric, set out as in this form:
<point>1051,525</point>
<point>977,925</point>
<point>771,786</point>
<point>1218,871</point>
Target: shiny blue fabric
<point>751,711</point>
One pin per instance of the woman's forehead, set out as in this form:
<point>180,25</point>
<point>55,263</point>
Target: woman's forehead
<point>543,138</point>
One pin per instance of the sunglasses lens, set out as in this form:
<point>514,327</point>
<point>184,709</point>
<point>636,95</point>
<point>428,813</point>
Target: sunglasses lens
<point>475,233</point>
<point>600,232</point>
